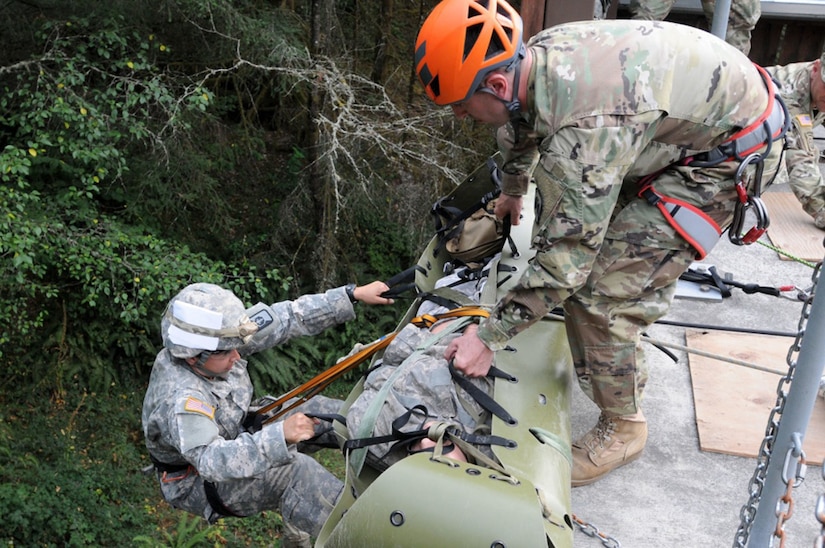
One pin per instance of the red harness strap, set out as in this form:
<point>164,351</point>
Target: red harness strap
<point>690,222</point>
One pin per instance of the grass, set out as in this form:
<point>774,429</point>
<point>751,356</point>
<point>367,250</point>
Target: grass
<point>71,475</point>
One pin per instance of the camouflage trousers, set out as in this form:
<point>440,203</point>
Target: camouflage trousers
<point>744,14</point>
<point>302,491</point>
<point>633,279</point>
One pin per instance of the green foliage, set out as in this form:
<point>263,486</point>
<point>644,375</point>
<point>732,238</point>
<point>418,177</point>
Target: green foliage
<point>70,475</point>
<point>77,283</point>
<point>67,482</point>
<point>187,534</point>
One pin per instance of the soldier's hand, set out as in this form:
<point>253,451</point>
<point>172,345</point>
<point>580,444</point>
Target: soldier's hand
<point>469,353</point>
<point>509,205</point>
<point>371,293</point>
<point>299,427</point>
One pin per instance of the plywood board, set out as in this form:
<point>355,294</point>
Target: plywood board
<point>733,402</point>
<point>791,229</point>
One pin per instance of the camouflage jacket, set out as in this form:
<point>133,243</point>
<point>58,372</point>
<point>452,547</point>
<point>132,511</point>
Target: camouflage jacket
<point>802,156</point>
<point>607,103</point>
<point>190,419</point>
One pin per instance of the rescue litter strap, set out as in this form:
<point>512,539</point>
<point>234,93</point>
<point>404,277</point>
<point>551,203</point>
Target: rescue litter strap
<point>365,429</point>
<point>319,382</point>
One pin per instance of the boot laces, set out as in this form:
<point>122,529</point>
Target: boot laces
<point>602,432</point>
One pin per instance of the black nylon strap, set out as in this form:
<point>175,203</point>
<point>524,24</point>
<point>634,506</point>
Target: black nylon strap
<point>483,399</point>
<point>168,468</point>
<point>209,488</point>
<point>396,435</point>
<point>215,500</point>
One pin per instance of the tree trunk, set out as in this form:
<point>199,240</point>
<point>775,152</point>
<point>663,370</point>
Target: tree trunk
<point>322,187</point>
<point>381,39</point>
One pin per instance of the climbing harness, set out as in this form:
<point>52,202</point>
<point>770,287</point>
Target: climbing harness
<point>694,225</point>
<point>690,222</point>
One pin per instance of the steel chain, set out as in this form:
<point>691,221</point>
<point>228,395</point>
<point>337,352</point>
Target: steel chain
<point>592,531</point>
<point>757,481</point>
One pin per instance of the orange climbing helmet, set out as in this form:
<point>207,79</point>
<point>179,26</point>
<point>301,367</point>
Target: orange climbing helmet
<point>462,41</point>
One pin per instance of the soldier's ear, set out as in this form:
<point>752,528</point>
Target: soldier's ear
<point>497,81</point>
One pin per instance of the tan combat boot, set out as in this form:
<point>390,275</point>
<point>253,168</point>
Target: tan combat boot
<point>613,442</point>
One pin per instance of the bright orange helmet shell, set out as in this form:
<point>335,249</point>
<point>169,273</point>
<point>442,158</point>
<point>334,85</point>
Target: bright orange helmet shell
<point>462,41</point>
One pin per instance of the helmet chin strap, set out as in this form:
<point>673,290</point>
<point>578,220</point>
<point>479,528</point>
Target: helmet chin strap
<point>514,104</point>
<point>200,369</point>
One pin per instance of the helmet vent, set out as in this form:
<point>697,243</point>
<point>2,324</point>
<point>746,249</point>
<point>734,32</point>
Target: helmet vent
<point>435,87</point>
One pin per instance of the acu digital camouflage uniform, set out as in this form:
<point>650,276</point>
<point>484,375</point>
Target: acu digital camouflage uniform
<point>609,102</point>
<point>744,14</point>
<point>802,155</point>
<point>189,419</point>
<point>413,372</point>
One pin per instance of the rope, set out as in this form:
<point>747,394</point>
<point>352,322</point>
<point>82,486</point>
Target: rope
<point>786,254</point>
<point>711,355</point>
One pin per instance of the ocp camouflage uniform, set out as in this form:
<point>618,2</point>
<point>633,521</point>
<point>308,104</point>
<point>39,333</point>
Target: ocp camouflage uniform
<point>189,419</point>
<point>802,156</point>
<point>609,102</point>
<point>744,14</point>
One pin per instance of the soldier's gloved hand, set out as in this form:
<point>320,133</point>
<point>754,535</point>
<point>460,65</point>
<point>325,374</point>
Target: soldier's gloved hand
<point>819,219</point>
<point>299,427</point>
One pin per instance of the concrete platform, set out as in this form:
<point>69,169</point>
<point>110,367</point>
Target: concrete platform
<point>676,494</point>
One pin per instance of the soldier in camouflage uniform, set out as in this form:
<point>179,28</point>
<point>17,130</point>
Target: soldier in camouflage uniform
<point>744,14</point>
<point>591,110</point>
<point>803,89</point>
<point>200,392</point>
<point>420,383</point>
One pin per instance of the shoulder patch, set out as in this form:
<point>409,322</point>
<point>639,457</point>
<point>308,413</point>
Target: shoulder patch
<point>197,406</point>
<point>263,318</point>
<point>804,120</point>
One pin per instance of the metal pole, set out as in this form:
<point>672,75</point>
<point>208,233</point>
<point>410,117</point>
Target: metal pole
<point>799,404</point>
<point>721,12</point>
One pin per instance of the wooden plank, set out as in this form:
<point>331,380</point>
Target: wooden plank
<point>791,229</point>
<point>733,402</point>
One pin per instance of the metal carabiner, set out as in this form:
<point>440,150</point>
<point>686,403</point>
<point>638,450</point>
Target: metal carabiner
<point>749,202</point>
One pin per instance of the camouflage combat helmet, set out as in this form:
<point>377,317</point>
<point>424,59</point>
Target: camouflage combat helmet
<point>205,317</point>
<point>461,42</point>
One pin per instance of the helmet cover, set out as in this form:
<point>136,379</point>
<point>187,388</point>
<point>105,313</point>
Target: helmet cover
<point>205,317</point>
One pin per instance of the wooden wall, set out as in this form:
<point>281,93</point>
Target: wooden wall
<point>775,41</point>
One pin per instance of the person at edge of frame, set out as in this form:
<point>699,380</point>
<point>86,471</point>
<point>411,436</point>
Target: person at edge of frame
<point>803,89</point>
<point>645,141</point>
<point>199,395</point>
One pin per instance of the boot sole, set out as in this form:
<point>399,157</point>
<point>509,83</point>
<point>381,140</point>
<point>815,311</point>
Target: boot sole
<point>588,481</point>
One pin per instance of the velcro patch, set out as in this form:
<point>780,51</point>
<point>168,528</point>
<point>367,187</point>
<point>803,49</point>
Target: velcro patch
<point>197,406</point>
<point>804,120</point>
<point>262,318</point>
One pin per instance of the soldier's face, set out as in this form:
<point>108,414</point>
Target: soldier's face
<point>483,107</point>
<point>221,362</point>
